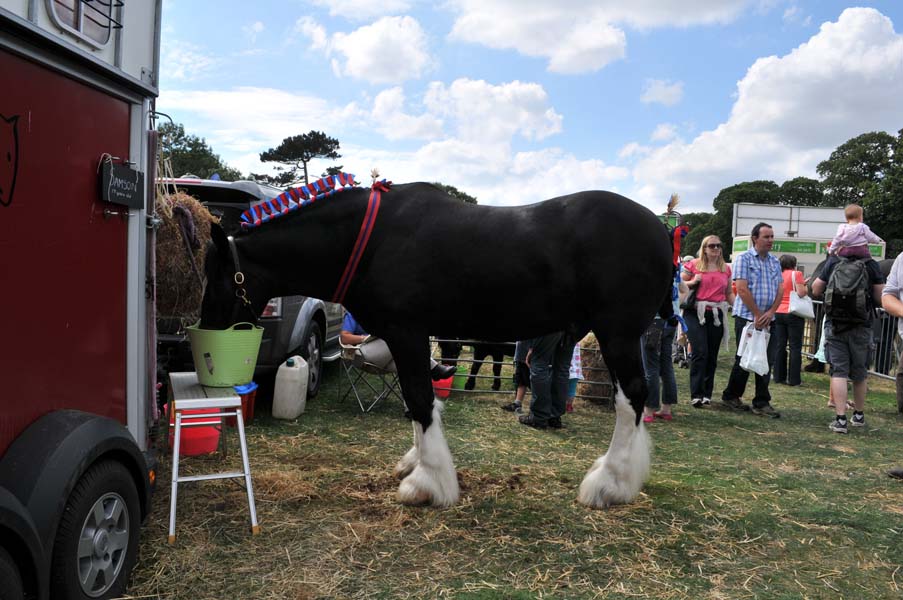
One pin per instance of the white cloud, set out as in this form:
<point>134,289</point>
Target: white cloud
<point>491,113</point>
<point>577,36</point>
<point>184,61</point>
<point>790,113</point>
<point>388,51</point>
<point>308,27</point>
<point>661,91</point>
<point>664,132</point>
<point>253,30</point>
<point>389,118</point>
<point>362,10</point>
<point>633,150</point>
<point>469,127</point>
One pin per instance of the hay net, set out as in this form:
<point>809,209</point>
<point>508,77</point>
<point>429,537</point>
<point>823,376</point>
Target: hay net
<point>181,247</point>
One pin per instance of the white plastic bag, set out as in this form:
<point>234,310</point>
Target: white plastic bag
<point>744,338</point>
<point>755,352</point>
<point>801,307</point>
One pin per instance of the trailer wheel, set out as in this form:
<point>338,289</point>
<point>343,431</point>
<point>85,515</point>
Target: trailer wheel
<point>10,581</point>
<point>97,541</point>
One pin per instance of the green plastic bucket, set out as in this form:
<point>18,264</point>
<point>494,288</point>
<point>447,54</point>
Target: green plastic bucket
<point>225,357</point>
<point>460,377</point>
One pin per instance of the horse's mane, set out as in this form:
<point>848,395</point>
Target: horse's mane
<point>295,198</point>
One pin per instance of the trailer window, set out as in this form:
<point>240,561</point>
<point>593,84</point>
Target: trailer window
<point>88,20</point>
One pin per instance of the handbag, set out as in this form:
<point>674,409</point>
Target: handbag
<point>689,301</point>
<point>801,307</point>
<point>755,350</point>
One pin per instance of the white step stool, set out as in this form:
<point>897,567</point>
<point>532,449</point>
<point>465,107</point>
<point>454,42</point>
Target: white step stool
<point>187,394</point>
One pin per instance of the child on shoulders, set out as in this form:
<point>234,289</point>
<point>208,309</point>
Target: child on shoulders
<point>854,236</point>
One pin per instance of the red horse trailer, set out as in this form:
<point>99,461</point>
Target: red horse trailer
<point>79,78</point>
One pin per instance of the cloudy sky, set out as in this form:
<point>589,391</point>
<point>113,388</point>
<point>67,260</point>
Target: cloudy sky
<point>515,101</point>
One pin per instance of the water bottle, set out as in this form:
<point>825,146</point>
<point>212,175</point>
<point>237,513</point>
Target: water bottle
<point>290,393</point>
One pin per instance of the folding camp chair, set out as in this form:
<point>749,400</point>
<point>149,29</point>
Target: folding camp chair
<point>368,382</point>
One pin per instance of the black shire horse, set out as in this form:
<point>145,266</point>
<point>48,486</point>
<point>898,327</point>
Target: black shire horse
<point>587,261</point>
<point>450,350</point>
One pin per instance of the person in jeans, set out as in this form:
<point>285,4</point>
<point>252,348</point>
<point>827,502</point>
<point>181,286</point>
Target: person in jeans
<point>549,358</point>
<point>892,301</point>
<point>788,328</point>
<point>710,276</point>
<point>849,346</point>
<point>760,288</point>
<point>660,383</point>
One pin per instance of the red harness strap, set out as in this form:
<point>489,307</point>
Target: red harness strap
<point>363,236</point>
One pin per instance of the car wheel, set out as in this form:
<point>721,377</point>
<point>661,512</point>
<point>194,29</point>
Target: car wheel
<point>10,581</point>
<point>312,352</point>
<point>97,541</point>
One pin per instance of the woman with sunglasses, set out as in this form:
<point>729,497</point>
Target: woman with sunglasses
<point>710,277</point>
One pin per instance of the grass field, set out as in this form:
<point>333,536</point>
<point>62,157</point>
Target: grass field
<point>737,506</point>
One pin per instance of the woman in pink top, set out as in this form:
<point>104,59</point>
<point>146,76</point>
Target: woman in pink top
<point>711,278</point>
<point>789,328</point>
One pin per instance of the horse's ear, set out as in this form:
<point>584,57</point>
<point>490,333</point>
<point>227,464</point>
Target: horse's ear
<point>218,237</point>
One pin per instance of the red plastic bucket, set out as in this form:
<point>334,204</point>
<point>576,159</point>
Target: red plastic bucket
<point>442,387</point>
<point>195,440</point>
<point>247,393</point>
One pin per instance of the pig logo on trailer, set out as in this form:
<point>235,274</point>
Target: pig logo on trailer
<point>9,158</point>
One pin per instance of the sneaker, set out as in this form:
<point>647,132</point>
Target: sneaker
<point>648,418</point>
<point>513,407</point>
<point>896,473</point>
<point>696,402</point>
<point>706,401</point>
<point>555,423</point>
<point>766,411</point>
<point>663,416</point>
<point>839,426</point>
<point>858,420</point>
<point>519,410</point>
<point>734,404</point>
<point>530,421</point>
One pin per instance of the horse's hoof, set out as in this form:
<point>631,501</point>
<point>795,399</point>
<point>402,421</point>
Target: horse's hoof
<point>469,385</point>
<point>496,387</point>
<point>413,496</point>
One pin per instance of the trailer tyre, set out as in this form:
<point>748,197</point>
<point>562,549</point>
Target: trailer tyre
<point>97,541</point>
<point>10,580</point>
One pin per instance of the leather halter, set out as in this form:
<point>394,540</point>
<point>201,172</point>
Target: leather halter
<point>363,236</point>
<point>239,280</point>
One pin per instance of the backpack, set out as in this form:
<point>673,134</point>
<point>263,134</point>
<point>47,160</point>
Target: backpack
<point>847,293</point>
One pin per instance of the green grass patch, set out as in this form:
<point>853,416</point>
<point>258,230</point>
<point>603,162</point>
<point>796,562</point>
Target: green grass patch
<point>737,506</point>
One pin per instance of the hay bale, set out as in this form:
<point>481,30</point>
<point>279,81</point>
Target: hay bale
<point>596,384</point>
<point>179,291</point>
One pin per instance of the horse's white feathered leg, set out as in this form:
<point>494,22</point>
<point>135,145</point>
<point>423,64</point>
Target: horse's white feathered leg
<point>433,479</point>
<point>618,476</point>
<point>409,460</point>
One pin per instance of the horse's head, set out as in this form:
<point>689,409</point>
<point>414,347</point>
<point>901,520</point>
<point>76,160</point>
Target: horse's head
<point>231,295</point>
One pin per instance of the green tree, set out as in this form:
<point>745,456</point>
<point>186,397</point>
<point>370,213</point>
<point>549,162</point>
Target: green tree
<point>802,191</point>
<point>294,154</point>
<point>330,171</point>
<point>456,193</point>
<point>756,192</point>
<point>855,166</point>
<point>190,154</point>
<point>700,226</point>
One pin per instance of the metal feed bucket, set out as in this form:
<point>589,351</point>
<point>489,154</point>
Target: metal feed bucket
<point>225,357</point>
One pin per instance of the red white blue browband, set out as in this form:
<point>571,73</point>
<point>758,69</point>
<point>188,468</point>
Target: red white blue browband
<point>294,198</point>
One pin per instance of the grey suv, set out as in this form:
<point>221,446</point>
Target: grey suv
<point>291,324</point>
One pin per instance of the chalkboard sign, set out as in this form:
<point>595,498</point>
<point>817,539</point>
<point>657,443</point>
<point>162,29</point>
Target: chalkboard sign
<point>120,184</point>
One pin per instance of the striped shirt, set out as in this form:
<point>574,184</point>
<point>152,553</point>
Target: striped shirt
<point>762,275</point>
